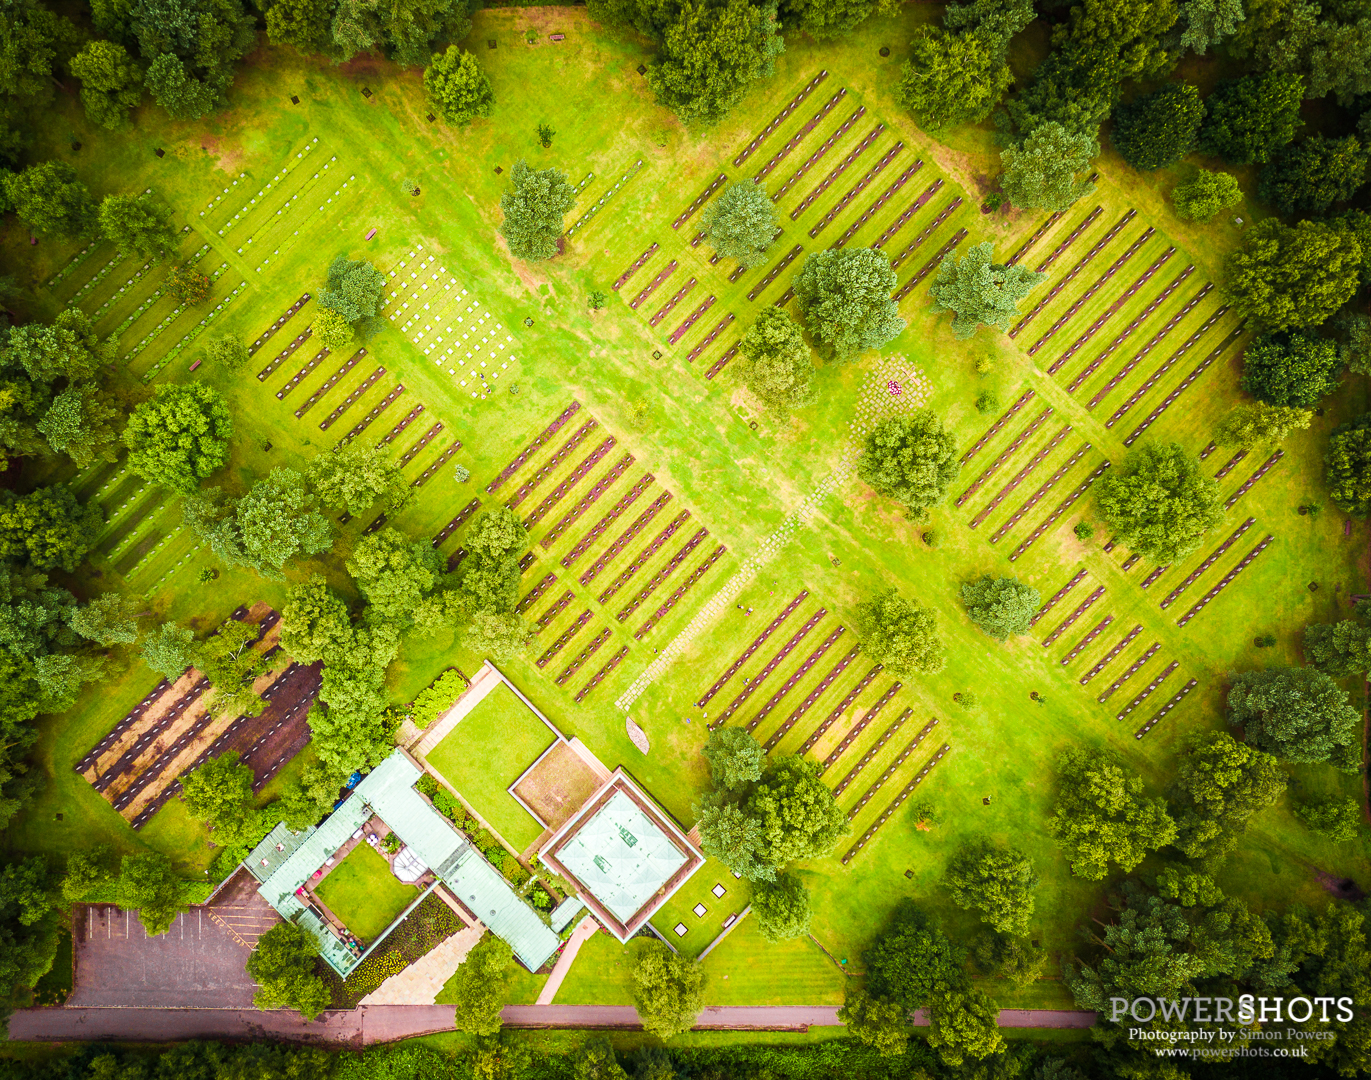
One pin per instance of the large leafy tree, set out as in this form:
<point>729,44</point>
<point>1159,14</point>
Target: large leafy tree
<point>398,577</point>
<point>353,292</point>
<point>1103,816</point>
<point>798,815</point>
<point>1001,606</point>
<point>824,19</point>
<point>148,883</point>
<point>964,1023</point>
<point>1159,502</point>
<point>1261,424</point>
<point>404,29</point>
<point>479,986</point>
<point>1297,714</point>
<point>305,24</point>
<point>109,619</point>
<point>911,459</point>
<point>1041,172</point>
<point>1347,466</point>
<point>457,86</point>
<point>876,1022</point>
<point>282,965</point>
<point>710,54</point>
<point>1324,44</point>
<point>1204,23</point>
<point>111,83</point>
<point>996,880</point>
<point>489,580</point>
<point>776,362</point>
<point>900,634</point>
<point>668,990</point>
<point>741,223</point>
<point>781,907</point>
<point>978,290</point>
<point>219,793</point>
<point>1205,194</point>
<point>48,528</point>
<point>190,47</point>
<point>912,959</point>
<point>1156,130</point>
<point>1309,176</point>
<point>34,41</point>
<point>179,437</point>
<point>952,79</point>
<point>1220,785</point>
<point>844,296</point>
<point>729,834</point>
<point>277,521</point>
<point>1339,649</point>
<point>229,659</point>
<point>353,477</point>
<point>1291,369</point>
<point>50,199</point>
<point>1286,278</point>
<point>1338,818</point>
<point>167,650</point>
<point>1249,119</point>
<point>137,225</point>
<point>535,205</point>
<point>735,759</point>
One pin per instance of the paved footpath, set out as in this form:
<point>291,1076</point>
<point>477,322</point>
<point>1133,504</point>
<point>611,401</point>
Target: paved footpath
<point>386,1023</point>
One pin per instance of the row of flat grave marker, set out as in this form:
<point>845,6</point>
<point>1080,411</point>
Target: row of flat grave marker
<point>671,601</point>
<point>548,467</point>
<point>125,722</point>
<point>1170,362</point>
<point>1022,475</point>
<point>995,428</point>
<point>1062,507</point>
<point>612,515</point>
<point>562,638</point>
<point>403,423</point>
<point>1138,357</point>
<point>1170,398</point>
<point>928,231</point>
<point>290,313</point>
<point>599,204</point>
<point>1225,581</point>
<point>859,726</point>
<point>1085,261</point>
<point>889,771</point>
<point>556,609</point>
<point>118,293</point>
<point>1085,297</point>
<point>667,308</point>
<point>837,171</point>
<point>595,680</point>
<point>347,403</point>
<point>690,320</point>
<point>795,676</point>
<point>1112,654</point>
<point>899,800</point>
<point>756,644</point>
<point>1147,690</point>
<point>536,593</point>
<point>1266,467</point>
<point>1131,561</point>
<point>908,212</point>
<point>1209,561</point>
<point>624,538</point>
<point>74,263</point>
<point>879,202</point>
<point>1130,672</point>
<point>1004,455</point>
<point>722,362</point>
<point>148,302</point>
<point>587,500</point>
<point>1023,248</point>
<point>1081,608</point>
<point>456,523</point>
<point>1062,248</point>
<point>243,210</point>
<point>709,338</point>
<point>837,711</point>
<point>329,383</point>
<point>285,354</point>
<point>426,438</point>
<point>800,136</point>
<point>1057,597</point>
<point>872,751</point>
<point>556,494</point>
<point>584,655</point>
<point>651,287</point>
<point>637,265</point>
<point>1117,305</point>
<point>775,271</point>
<point>751,684</point>
<point>372,414</point>
<point>1176,699</point>
<point>856,189</point>
<point>780,117</point>
<point>700,200</point>
<point>112,772</point>
<point>1231,464</point>
<point>804,706</point>
<point>194,332</point>
<point>665,572</point>
<point>303,222</point>
<point>270,223</point>
<point>1033,500</point>
<point>1127,331</point>
<point>541,440</point>
<point>1086,641</point>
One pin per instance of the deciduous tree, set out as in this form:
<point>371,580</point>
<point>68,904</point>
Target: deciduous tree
<point>50,199</point>
<point>219,793</point>
<point>911,459</point>
<point>977,290</point>
<point>776,362</point>
<point>332,329</point>
<point>1338,818</point>
<point>167,650</point>
<point>952,79</point>
<point>1102,815</point>
<point>398,576</point>
<point>735,758</point>
<point>1249,119</point>
<point>1285,278</point>
<point>876,1022</point>
<point>457,86</point>
<point>798,815</point>
<point>900,634</point>
<point>228,353</point>
<point>190,47</point>
<point>1159,502</point>
<point>535,204</point>
<point>186,284</point>
<point>108,619</point>
<point>501,635</point>
<point>1260,424</point>
<point>710,54</point>
<point>282,965</point>
<point>1220,785</point>
<point>277,521</point>
<point>355,290</point>
<point>1347,466</point>
<point>964,1023</point>
<point>668,990</point>
<point>1339,649</point>
<point>1291,369</point>
<point>996,880</point>
<point>137,225</point>
<point>1156,130</point>
<point>741,224</point>
<point>1204,23</point>
<point>1298,714</point>
<point>1309,176</point>
<point>1205,194</point>
<point>781,907</point>
<point>844,296</point>
<point>148,884</point>
<point>1040,173</point>
<point>111,83</point>
<point>228,659</point>
<point>1001,606</point>
<point>179,437</point>
<point>912,959</point>
<point>354,477</point>
<point>47,528</point>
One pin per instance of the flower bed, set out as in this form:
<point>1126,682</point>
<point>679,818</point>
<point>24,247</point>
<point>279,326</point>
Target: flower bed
<point>427,926</point>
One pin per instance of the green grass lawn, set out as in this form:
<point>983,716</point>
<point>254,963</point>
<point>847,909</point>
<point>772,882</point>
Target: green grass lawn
<point>521,987</point>
<point>739,471</point>
<point>486,752</point>
<point>363,892</point>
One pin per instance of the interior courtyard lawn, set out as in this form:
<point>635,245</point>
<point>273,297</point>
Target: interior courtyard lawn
<point>363,892</point>
<point>486,752</point>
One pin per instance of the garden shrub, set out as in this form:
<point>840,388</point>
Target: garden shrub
<point>436,698</point>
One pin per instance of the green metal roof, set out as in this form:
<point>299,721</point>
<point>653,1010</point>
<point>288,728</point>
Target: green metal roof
<point>276,847</point>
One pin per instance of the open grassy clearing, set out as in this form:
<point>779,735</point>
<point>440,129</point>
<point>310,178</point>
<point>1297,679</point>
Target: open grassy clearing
<point>363,892</point>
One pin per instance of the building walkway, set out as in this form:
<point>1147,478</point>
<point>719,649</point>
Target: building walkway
<point>585,930</point>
